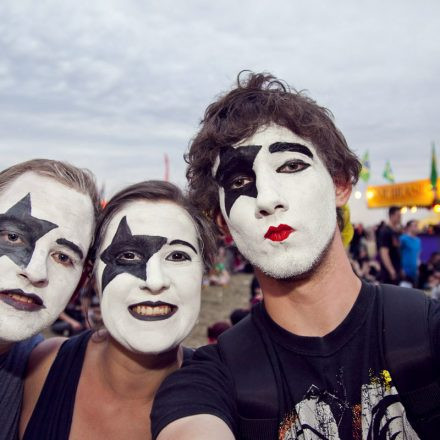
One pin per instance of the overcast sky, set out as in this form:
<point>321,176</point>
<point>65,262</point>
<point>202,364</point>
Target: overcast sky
<point>114,85</point>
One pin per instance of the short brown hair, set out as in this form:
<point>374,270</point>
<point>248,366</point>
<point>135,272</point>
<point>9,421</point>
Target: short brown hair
<point>258,100</point>
<point>157,190</point>
<point>79,179</point>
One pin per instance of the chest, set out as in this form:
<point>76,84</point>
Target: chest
<point>99,414</point>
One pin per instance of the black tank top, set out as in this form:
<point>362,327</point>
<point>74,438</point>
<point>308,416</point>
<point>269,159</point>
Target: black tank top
<point>52,415</point>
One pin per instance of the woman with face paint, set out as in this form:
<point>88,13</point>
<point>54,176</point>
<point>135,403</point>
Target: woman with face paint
<point>150,250</point>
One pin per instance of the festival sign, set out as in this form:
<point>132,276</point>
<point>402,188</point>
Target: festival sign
<point>416,193</point>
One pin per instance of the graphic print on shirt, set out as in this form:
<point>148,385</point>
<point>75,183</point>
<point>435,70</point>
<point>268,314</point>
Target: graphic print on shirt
<point>380,415</point>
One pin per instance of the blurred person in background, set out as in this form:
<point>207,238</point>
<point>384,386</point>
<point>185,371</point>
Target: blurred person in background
<point>215,330</point>
<point>410,248</point>
<point>388,245</point>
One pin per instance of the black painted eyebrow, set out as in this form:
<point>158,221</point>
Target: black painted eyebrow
<point>279,147</point>
<point>185,243</point>
<point>72,246</point>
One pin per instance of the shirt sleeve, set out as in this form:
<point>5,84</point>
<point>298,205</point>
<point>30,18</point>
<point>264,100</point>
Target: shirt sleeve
<point>434,327</point>
<point>202,386</point>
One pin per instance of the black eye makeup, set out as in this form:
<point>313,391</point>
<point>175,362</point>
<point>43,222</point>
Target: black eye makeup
<point>235,173</point>
<point>178,256</point>
<point>128,253</point>
<point>293,166</point>
<point>19,231</point>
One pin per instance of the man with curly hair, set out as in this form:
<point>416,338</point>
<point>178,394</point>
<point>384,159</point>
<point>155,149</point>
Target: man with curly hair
<point>270,167</point>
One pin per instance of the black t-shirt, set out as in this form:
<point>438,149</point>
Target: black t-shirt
<point>337,385</point>
<point>389,239</point>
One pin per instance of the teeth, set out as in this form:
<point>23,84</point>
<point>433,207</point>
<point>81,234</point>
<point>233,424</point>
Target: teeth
<point>152,311</point>
<point>21,298</point>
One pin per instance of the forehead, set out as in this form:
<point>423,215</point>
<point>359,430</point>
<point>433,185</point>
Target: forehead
<point>161,218</point>
<point>267,135</point>
<point>50,200</point>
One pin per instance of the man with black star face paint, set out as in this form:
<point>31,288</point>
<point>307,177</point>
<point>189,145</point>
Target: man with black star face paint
<point>47,219</point>
<point>269,167</point>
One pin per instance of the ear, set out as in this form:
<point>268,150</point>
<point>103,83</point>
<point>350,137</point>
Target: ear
<point>221,223</point>
<point>342,193</point>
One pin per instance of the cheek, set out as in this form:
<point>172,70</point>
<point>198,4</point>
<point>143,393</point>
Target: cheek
<point>242,211</point>
<point>62,280</point>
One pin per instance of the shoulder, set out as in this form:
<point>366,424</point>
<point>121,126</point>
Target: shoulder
<point>40,361</point>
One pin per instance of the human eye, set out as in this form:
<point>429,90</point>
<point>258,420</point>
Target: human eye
<point>128,257</point>
<point>62,258</point>
<point>293,166</point>
<point>178,256</point>
<point>11,238</point>
<point>239,182</point>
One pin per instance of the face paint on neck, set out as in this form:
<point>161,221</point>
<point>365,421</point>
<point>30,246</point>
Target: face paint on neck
<point>129,253</point>
<point>236,165</point>
<point>19,232</point>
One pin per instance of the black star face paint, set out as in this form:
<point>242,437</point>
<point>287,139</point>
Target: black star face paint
<point>150,275</point>
<point>278,200</point>
<point>45,231</point>
<point>129,253</point>
<point>235,173</point>
<point>19,232</point>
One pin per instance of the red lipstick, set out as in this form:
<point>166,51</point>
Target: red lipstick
<point>279,233</point>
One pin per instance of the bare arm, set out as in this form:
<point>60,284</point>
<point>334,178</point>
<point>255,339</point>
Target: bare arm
<point>199,427</point>
<point>386,260</point>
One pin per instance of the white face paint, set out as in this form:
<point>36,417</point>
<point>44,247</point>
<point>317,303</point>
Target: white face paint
<point>150,285</point>
<point>45,233</point>
<point>278,200</point>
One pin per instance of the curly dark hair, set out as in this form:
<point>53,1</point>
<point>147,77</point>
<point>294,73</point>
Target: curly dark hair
<point>258,100</point>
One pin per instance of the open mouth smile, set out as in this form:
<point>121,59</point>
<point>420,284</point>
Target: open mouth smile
<point>152,311</point>
<point>20,300</point>
<point>279,233</point>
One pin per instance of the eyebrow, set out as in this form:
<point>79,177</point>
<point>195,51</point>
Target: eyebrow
<point>185,243</point>
<point>72,246</point>
<point>279,147</point>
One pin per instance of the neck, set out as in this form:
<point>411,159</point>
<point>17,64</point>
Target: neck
<point>135,375</point>
<point>318,303</point>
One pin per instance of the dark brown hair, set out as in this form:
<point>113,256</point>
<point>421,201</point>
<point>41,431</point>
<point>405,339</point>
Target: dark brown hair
<point>156,190</point>
<point>79,179</point>
<point>258,100</point>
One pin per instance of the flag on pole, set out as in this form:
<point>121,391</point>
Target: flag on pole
<point>388,172</point>
<point>434,173</point>
<point>166,176</point>
<point>365,171</point>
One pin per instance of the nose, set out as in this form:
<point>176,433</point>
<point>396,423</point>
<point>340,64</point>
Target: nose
<point>157,280</point>
<point>269,198</point>
<point>36,271</point>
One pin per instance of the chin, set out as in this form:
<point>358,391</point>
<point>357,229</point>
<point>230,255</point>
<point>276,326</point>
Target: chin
<point>294,267</point>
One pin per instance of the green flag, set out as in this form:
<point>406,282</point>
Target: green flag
<point>365,171</point>
<point>388,172</point>
<point>434,174</point>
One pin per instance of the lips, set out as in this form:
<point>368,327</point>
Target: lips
<point>20,300</point>
<point>278,233</point>
<point>152,310</point>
